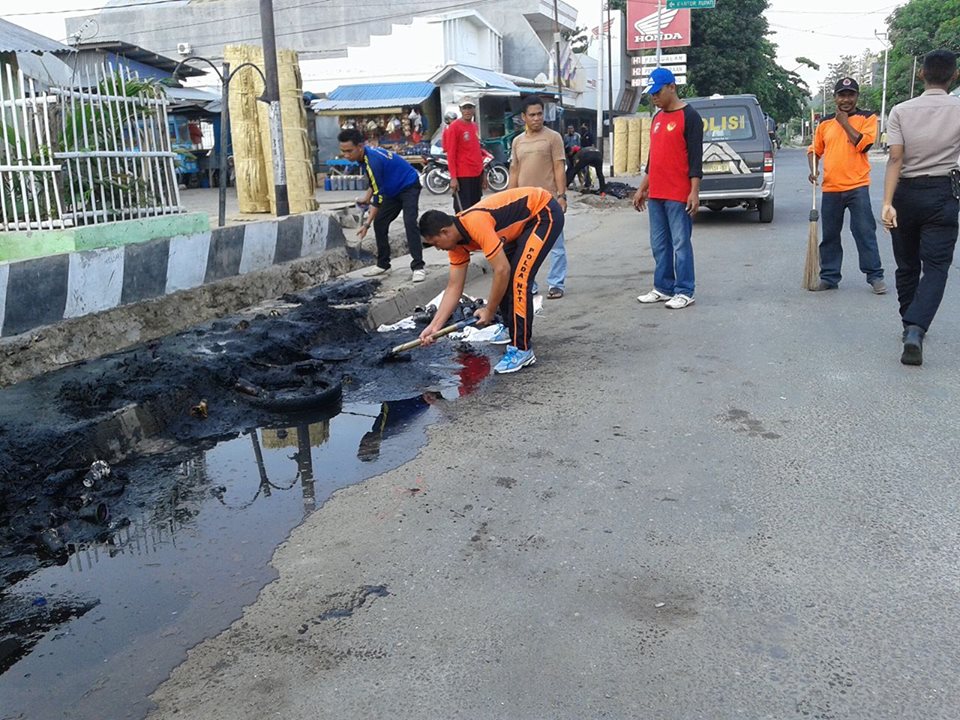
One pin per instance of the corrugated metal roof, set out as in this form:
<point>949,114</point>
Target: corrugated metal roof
<point>375,95</point>
<point>14,38</point>
<point>485,79</point>
<point>142,55</point>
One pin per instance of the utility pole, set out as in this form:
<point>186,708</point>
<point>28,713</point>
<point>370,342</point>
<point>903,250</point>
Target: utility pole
<point>659,28</point>
<point>599,134</point>
<point>610,83</point>
<point>271,95</point>
<point>556,42</point>
<point>913,78</point>
<point>883,101</point>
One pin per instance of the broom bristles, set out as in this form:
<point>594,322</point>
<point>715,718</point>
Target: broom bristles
<point>811,268</point>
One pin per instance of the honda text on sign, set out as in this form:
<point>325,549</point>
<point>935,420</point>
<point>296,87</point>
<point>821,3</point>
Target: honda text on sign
<point>645,23</point>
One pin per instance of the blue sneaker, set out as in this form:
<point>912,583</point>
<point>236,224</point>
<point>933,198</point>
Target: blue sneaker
<point>502,337</point>
<point>514,359</point>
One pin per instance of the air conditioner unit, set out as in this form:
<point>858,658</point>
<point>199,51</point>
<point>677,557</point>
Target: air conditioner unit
<point>184,48</point>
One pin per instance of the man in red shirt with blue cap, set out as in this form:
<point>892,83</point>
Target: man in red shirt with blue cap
<point>671,190</point>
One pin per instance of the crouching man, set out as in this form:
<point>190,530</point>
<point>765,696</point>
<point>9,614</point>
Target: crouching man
<point>515,230</point>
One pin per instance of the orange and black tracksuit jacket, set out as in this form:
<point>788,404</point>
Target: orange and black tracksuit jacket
<point>523,224</point>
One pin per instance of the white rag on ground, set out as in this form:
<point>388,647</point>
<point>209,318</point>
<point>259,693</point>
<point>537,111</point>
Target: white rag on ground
<point>469,333</point>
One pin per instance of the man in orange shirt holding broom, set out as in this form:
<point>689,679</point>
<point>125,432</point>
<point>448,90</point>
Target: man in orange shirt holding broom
<point>843,140</point>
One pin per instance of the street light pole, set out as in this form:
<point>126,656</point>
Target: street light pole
<point>271,94</point>
<point>883,101</point>
<point>556,43</point>
<point>224,122</point>
<point>225,77</point>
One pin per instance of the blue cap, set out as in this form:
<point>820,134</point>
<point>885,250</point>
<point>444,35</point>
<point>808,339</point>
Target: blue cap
<point>658,78</point>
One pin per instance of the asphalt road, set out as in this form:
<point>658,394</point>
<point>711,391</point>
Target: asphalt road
<point>745,509</point>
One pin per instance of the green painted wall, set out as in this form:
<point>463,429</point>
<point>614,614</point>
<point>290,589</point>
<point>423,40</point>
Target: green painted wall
<point>40,243</point>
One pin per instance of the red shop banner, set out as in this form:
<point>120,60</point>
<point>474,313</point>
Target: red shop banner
<point>643,26</point>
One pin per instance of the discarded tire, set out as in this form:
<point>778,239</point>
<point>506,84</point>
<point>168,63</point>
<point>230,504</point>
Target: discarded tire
<point>321,394</point>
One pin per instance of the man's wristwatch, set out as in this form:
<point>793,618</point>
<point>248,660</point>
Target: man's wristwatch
<point>562,196</point>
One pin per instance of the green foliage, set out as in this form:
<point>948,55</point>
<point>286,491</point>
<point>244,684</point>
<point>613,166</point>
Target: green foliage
<point>914,30</point>
<point>103,125</point>
<point>730,54</point>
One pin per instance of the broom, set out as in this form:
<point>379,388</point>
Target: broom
<point>811,268</point>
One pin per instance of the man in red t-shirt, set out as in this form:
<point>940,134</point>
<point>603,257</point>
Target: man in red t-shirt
<point>461,143</point>
<point>671,189</point>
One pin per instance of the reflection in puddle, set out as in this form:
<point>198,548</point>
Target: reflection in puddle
<point>100,632</point>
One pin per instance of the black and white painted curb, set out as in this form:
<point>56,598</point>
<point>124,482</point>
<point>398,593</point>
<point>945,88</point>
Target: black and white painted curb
<point>42,291</point>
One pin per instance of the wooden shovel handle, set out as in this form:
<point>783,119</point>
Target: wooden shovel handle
<point>438,334</point>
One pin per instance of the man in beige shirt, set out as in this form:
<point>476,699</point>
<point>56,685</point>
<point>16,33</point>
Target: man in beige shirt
<point>538,160</point>
<point>920,197</point>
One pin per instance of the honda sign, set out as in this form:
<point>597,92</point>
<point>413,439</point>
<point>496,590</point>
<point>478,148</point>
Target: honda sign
<point>645,23</point>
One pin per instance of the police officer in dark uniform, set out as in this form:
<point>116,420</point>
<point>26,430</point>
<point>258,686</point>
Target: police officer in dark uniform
<point>921,197</point>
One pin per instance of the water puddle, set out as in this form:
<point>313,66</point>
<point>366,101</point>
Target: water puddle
<point>96,635</point>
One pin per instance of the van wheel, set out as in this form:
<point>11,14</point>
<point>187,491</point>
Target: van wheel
<point>766,210</point>
<point>716,207</point>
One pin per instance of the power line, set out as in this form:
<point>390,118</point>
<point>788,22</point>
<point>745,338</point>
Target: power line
<point>817,32</point>
<point>835,12</point>
<point>94,9</point>
<point>148,3</point>
<point>303,30</point>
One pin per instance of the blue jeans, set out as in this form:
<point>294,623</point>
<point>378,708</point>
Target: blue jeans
<point>558,265</point>
<point>862,225</point>
<point>670,231</point>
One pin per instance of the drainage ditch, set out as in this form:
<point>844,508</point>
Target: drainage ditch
<point>142,495</point>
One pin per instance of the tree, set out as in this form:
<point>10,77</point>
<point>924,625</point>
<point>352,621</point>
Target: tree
<point>730,53</point>
<point>915,29</point>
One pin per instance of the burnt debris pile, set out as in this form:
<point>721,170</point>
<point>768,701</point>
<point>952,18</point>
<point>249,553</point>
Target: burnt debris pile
<point>209,383</point>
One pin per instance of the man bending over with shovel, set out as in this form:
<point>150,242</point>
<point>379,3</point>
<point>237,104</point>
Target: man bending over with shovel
<point>515,230</point>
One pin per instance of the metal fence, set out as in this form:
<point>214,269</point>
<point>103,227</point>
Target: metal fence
<point>109,159</point>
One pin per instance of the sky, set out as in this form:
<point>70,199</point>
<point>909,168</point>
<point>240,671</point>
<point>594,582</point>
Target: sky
<point>821,30</point>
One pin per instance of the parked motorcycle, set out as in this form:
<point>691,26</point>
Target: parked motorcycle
<point>436,174</point>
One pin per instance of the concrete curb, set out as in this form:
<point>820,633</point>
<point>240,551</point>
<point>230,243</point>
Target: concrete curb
<point>91,335</point>
<point>395,301</point>
<point>46,290</point>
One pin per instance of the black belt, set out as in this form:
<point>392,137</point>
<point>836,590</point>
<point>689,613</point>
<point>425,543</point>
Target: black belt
<point>937,181</point>
<point>927,179</point>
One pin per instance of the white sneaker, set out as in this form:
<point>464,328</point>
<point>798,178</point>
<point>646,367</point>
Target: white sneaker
<point>678,302</point>
<point>654,296</point>
<point>419,276</point>
<point>375,270</point>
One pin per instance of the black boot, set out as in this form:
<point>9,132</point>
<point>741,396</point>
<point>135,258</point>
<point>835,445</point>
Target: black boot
<point>912,345</point>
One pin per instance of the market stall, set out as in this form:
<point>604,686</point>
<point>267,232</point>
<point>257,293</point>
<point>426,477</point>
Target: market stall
<point>399,116</point>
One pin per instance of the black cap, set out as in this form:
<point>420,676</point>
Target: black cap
<point>846,83</point>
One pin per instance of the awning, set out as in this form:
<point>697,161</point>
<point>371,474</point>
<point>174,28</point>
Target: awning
<point>382,97</point>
